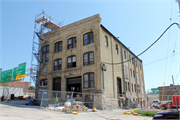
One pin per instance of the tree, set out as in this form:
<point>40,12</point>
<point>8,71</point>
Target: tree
<point>31,88</point>
<point>5,84</point>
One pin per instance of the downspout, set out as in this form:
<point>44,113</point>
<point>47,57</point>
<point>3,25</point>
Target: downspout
<point>136,79</point>
<point>123,68</point>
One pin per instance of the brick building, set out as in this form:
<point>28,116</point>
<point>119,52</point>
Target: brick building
<point>74,53</point>
<point>20,84</point>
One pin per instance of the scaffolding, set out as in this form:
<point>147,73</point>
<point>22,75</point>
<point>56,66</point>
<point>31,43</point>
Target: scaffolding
<point>44,25</point>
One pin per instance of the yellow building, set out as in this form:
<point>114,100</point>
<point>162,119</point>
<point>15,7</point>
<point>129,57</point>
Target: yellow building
<point>74,53</point>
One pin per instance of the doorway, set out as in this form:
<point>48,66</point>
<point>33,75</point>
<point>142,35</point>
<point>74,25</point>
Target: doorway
<point>119,88</point>
<point>74,85</point>
<point>57,84</point>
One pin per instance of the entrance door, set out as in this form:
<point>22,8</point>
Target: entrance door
<point>74,84</point>
<point>119,89</point>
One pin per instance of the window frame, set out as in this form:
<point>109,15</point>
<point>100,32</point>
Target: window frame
<point>124,54</point>
<point>126,86</point>
<point>72,43</point>
<point>117,51</point>
<point>89,81</point>
<point>88,37</point>
<point>88,58</point>
<point>58,49</point>
<point>71,61</point>
<point>106,41</point>
<point>132,87</point>
<point>44,82</point>
<point>46,53</point>
<point>57,60</point>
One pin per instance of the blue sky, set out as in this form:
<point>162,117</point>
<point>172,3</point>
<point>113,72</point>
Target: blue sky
<point>137,23</point>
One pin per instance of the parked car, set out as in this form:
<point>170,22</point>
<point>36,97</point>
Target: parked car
<point>155,102</point>
<point>167,115</point>
<point>157,105</point>
<point>166,104</point>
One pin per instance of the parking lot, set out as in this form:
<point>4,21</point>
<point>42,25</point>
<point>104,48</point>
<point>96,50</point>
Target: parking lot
<point>25,112</point>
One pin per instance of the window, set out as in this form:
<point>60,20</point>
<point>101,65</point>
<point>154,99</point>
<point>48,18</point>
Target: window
<point>45,54</point>
<point>140,66</point>
<point>57,64</point>
<point>131,71</point>
<point>124,54</point>
<point>136,63</point>
<point>71,43</point>
<point>128,87</point>
<point>125,86</point>
<point>129,58</point>
<point>135,88</point>
<point>12,85</point>
<point>106,41</point>
<point>21,86</point>
<point>132,60</point>
<point>71,61</point>
<point>117,49</point>
<point>138,88</point>
<point>132,87</point>
<point>89,58</point>
<point>137,75</point>
<point>43,82</point>
<point>88,38</point>
<point>58,47</point>
<point>89,80</point>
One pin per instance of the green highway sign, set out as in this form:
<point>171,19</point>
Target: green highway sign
<point>12,74</point>
<point>6,75</point>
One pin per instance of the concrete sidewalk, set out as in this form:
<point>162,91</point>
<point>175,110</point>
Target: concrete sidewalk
<point>23,112</point>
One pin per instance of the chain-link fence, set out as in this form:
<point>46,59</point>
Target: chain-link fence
<point>74,101</point>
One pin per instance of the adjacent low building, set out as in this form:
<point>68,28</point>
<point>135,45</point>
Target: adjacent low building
<point>20,84</point>
<point>74,54</point>
<point>169,91</point>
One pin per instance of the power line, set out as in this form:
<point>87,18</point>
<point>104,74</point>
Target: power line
<point>160,59</point>
<point>146,48</point>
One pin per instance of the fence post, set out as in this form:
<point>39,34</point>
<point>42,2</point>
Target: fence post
<point>71,101</point>
<point>41,99</point>
<point>55,101</point>
<point>128,101</point>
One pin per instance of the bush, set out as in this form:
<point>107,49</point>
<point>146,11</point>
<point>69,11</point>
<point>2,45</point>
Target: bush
<point>146,113</point>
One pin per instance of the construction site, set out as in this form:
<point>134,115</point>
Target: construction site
<point>67,67</point>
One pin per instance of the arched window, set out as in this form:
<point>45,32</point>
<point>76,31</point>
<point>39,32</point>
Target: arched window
<point>88,58</point>
<point>88,80</point>
<point>57,64</point>
<point>71,61</point>
<point>88,38</point>
<point>71,43</point>
<point>58,47</point>
<point>106,41</point>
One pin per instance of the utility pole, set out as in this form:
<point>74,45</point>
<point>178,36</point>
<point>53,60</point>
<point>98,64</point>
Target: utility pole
<point>178,4</point>
<point>172,79</point>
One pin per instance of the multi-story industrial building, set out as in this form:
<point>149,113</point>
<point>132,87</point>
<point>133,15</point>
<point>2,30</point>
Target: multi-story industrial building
<point>74,54</point>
